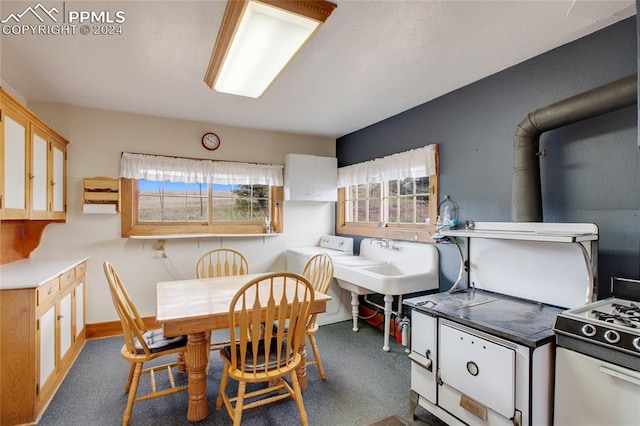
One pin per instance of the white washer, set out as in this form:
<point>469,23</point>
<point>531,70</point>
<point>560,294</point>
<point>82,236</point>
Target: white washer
<point>339,307</point>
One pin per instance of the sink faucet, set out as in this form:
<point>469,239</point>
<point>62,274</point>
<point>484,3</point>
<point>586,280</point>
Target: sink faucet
<point>384,243</point>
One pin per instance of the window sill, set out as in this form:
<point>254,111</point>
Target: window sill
<point>418,233</point>
<point>184,236</point>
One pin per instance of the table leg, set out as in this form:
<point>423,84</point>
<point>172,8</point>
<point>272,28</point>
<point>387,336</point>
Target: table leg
<point>301,371</point>
<point>197,358</point>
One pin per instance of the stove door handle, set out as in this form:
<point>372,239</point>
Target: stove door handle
<point>620,375</point>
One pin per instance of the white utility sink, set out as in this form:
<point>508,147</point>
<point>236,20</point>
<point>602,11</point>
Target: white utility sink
<point>390,268</point>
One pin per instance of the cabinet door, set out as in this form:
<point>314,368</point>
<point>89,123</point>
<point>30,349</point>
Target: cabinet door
<point>299,176</point>
<point>326,181</point>
<point>47,345</point>
<point>423,355</point>
<point>66,333</point>
<point>38,175</point>
<point>14,132</point>
<point>79,304</point>
<point>58,180</point>
<point>310,178</point>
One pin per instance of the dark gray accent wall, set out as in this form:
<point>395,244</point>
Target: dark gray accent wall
<point>591,172</point>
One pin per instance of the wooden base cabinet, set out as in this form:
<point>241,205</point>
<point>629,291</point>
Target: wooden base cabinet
<point>42,333</point>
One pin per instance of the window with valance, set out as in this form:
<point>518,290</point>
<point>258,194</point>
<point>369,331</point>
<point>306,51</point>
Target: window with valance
<point>390,197</point>
<point>174,195</point>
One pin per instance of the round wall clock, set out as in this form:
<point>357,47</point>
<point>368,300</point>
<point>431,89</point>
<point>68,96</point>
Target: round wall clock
<point>210,141</point>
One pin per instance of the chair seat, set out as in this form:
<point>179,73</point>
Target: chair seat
<point>225,352</point>
<point>157,342</point>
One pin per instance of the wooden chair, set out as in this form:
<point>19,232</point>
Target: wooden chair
<point>221,262</point>
<point>142,345</point>
<point>319,271</point>
<point>262,353</point>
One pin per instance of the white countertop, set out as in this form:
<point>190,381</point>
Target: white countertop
<point>31,273</point>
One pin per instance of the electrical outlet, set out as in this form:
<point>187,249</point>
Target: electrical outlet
<point>159,245</point>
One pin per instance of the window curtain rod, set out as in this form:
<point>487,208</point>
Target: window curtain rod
<point>196,159</point>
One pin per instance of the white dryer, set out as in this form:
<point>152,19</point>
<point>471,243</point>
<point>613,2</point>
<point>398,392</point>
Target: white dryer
<point>339,307</point>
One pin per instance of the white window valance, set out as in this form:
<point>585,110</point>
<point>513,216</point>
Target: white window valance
<point>419,162</point>
<point>176,169</point>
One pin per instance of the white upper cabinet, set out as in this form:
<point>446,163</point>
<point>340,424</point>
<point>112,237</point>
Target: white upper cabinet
<point>310,178</point>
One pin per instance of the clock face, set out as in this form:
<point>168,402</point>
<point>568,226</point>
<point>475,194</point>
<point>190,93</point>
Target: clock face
<point>210,141</point>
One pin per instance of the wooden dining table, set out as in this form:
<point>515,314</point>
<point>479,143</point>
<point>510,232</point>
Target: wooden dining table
<point>194,308</point>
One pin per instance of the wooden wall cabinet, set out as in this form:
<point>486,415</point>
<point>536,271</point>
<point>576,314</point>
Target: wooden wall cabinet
<point>14,126</point>
<point>310,178</point>
<point>34,162</point>
<point>42,333</point>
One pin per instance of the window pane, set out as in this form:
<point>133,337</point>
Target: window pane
<point>395,201</point>
<point>374,210</point>
<point>171,201</point>
<point>374,191</point>
<point>241,209</point>
<point>222,209</point>
<point>149,208</point>
<point>393,210</point>
<point>422,208</point>
<point>197,209</point>
<point>175,206</point>
<point>261,203</point>
<point>406,210</point>
<point>352,193</point>
<point>393,187</point>
<point>361,214</point>
<point>362,191</point>
<point>422,185</point>
<point>406,186</point>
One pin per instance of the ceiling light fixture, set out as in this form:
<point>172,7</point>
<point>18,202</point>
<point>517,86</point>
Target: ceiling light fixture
<point>257,39</point>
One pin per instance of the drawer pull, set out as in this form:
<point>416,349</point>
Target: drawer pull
<point>425,363</point>
<point>60,317</point>
<point>473,407</point>
<point>50,290</point>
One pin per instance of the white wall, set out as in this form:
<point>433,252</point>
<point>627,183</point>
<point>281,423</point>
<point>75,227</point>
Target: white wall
<point>96,139</point>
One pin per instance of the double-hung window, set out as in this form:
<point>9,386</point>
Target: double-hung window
<point>171,195</point>
<point>391,197</point>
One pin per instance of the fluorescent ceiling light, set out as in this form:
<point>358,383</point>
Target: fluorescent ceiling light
<point>257,39</point>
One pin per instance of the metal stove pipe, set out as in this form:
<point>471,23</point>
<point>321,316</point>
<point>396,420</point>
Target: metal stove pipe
<point>526,199</point>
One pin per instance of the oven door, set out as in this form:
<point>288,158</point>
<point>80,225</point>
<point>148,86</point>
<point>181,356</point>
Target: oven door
<point>479,369</point>
<point>589,391</point>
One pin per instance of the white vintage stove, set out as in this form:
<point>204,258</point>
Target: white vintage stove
<point>484,354</point>
<point>598,360</point>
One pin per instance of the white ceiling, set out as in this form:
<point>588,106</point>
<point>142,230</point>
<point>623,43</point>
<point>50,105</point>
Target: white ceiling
<point>370,60</point>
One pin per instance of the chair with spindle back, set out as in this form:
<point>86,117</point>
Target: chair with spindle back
<point>221,262</point>
<point>319,271</point>
<point>142,345</point>
<point>261,352</point>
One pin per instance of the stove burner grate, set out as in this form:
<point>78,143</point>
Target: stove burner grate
<point>617,318</point>
<point>630,309</point>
